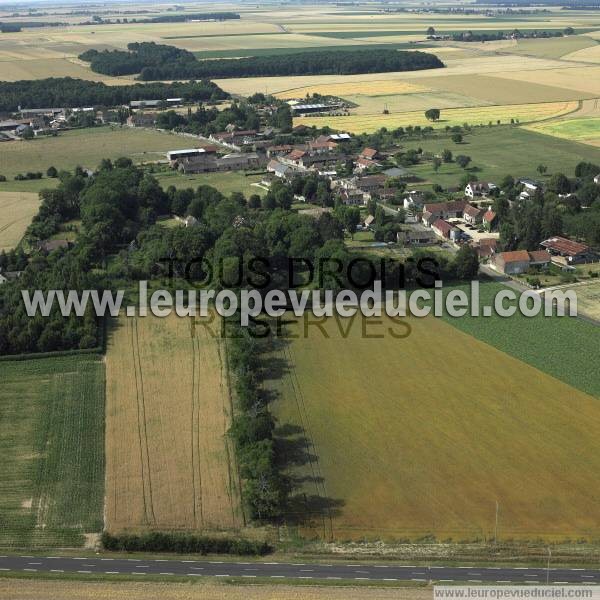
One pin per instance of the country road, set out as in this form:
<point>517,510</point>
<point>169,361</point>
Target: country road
<point>355,571</point>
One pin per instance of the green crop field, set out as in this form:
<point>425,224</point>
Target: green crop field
<point>562,347</point>
<point>585,130</point>
<point>499,151</point>
<point>401,438</point>
<point>86,147</point>
<point>52,446</point>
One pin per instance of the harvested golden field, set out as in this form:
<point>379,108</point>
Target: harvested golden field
<point>30,589</point>
<point>479,115</point>
<point>459,66</point>
<point>16,211</point>
<point>581,79</point>
<point>561,47</point>
<point>403,438</point>
<point>588,54</point>
<point>372,88</point>
<point>169,462</point>
<point>490,89</point>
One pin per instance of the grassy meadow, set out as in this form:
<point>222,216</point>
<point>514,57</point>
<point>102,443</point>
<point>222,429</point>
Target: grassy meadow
<point>16,212</point>
<point>588,300</point>
<point>169,462</point>
<point>52,445</point>
<point>402,438</point>
<point>499,151</point>
<point>226,183</point>
<point>86,147</point>
<point>584,130</point>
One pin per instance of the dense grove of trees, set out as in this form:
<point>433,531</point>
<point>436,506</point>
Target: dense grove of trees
<point>567,206</point>
<point>158,61</point>
<point>68,92</point>
<point>138,57</point>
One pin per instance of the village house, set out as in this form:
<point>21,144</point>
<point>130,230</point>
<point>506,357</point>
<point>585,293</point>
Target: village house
<point>362,164</point>
<point>443,210</point>
<point>189,221</point>
<point>322,144</point>
<point>490,220</point>
<point>414,237</point>
<point>370,219</point>
<point>276,151</point>
<point>564,251</point>
<point>369,154</point>
<point>371,184</point>
<point>445,230</point>
<point>352,197</point>
<point>174,156</point>
<point>48,246</point>
<point>486,248</point>
<point>279,169</point>
<point>478,188</point>
<point>235,139</point>
<point>518,262</point>
<point>7,276</point>
<point>472,215</point>
<point>142,119</point>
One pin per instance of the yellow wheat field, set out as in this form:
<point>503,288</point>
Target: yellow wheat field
<point>367,88</point>
<point>16,212</point>
<point>480,115</point>
<point>169,462</point>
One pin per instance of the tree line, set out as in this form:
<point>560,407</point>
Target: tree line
<point>475,36</point>
<point>67,92</point>
<point>182,543</point>
<point>158,61</point>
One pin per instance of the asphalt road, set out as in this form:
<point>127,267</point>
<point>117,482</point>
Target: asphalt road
<point>279,570</point>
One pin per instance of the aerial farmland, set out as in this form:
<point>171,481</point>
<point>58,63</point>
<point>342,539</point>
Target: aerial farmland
<point>447,149</point>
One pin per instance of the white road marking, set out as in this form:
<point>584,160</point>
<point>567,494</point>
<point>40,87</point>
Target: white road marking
<point>56,571</point>
<point>112,572</point>
<point>418,579</point>
<point>30,570</point>
<point>4,569</point>
<point>277,576</point>
<point>248,575</point>
<point>84,571</point>
<point>138,573</point>
<point>390,579</point>
<point>165,573</point>
<point>34,563</point>
<point>474,580</point>
<point>218,575</point>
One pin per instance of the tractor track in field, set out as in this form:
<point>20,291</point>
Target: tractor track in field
<point>142,429</point>
<point>313,457</point>
<point>198,508</point>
